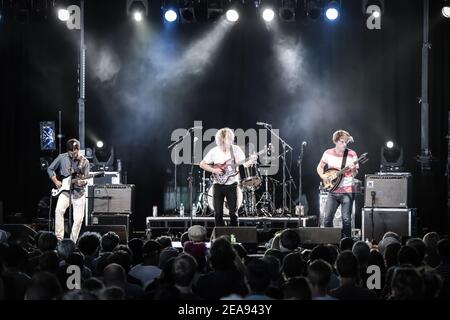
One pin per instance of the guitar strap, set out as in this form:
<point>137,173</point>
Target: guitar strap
<point>344,159</point>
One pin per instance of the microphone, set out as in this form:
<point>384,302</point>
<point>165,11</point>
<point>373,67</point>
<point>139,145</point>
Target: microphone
<point>263,124</point>
<point>372,193</point>
<point>304,143</point>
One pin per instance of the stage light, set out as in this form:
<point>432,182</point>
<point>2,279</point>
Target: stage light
<point>170,15</point>
<point>286,11</point>
<point>137,16</point>
<point>376,14</point>
<point>99,144</point>
<point>268,15</point>
<point>446,11</point>
<point>44,162</point>
<point>391,157</point>
<point>232,15</point>
<point>137,9</point>
<point>266,9</point>
<point>332,10</point>
<point>215,9</point>
<point>187,11</point>
<point>63,14</point>
<point>313,9</point>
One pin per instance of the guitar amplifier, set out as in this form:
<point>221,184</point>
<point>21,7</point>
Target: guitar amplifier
<point>391,190</point>
<point>113,198</point>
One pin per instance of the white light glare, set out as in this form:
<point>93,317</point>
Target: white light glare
<point>232,15</point>
<point>376,14</point>
<point>99,144</point>
<point>268,15</point>
<point>170,15</point>
<point>390,144</point>
<point>137,16</point>
<point>63,14</point>
<point>446,11</point>
<point>332,14</point>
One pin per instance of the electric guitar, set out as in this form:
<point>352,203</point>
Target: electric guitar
<point>229,168</point>
<point>334,176</point>
<point>69,180</point>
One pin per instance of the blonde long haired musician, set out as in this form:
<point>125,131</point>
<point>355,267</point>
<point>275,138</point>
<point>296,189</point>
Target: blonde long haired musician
<point>224,152</point>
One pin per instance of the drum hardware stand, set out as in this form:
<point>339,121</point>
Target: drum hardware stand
<point>266,199</point>
<point>203,198</point>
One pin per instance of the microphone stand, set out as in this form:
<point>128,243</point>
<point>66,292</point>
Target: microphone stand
<point>373,193</point>
<point>285,146</point>
<point>299,162</point>
<point>191,182</point>
<point>175,144</point>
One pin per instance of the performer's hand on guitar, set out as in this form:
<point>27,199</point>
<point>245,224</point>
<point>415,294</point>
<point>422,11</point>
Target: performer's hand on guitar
<point>252,159</point>
<point>56,182</point>
<point>217,171</point>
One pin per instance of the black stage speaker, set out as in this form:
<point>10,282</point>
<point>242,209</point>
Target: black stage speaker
<point>111,219</point>
<point>102,229</point>
<point>391,190</point>
<point>20,234</point>
<point>116,198</point>
<point>247,236</point>
<point>399,220</point>
<point>320,235</point>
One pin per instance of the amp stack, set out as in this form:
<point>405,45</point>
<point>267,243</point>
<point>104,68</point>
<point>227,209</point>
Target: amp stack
<point>110,206</point>
<point>387,205</point>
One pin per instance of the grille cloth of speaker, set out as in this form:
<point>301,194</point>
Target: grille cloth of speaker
<point>113,198</point>
<point>389,190</point>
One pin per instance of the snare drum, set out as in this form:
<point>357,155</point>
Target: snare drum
<point>225,205</point>
<point>252,178</point>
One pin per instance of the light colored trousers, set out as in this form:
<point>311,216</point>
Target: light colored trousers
<point>78,215</point>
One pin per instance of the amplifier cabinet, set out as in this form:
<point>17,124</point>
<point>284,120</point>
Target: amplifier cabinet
<point>399,220</point>
<point>113,198</point>
<point>110,219</point>
<point>388,190</point>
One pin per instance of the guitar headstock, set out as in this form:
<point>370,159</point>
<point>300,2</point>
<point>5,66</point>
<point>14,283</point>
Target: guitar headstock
<point>364,158</point>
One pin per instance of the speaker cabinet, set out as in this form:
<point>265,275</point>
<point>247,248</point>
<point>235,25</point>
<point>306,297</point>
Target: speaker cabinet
<point>320,235</point>
<point>113,198</point>
<point>247,236</point>
<point>400,221</point>
<point>388,190</point>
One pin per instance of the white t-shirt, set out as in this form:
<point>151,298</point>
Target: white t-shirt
<point>217,156</point>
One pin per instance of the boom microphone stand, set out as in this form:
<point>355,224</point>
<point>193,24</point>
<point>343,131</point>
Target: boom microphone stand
<point>286,149</point>
<point>175,144</point>
<point>299,162</point>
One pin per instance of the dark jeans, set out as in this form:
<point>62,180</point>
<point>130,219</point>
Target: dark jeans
<point>222,191</point>
<point>333,202</point>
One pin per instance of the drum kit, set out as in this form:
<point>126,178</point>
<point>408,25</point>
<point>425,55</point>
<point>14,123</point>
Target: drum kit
<point>249,202</point>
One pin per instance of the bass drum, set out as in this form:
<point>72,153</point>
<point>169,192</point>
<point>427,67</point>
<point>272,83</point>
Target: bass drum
<point>226,212</point>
